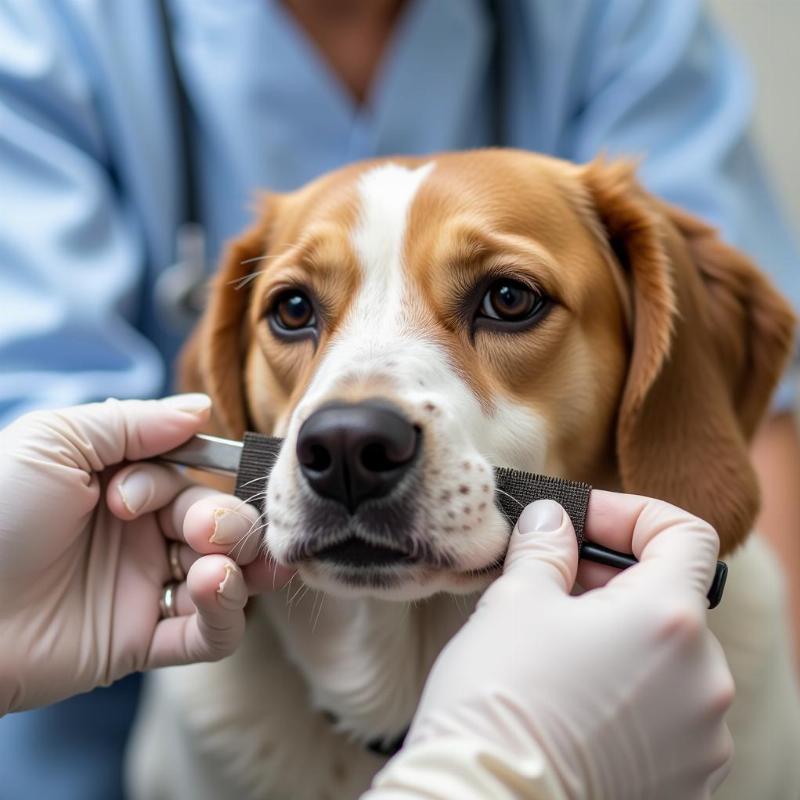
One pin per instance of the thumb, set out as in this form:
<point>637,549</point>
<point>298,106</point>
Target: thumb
<point>543,546</point>
<point>95,436</point>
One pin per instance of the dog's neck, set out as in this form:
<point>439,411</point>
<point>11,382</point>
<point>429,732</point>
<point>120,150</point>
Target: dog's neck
<point>365,660</point>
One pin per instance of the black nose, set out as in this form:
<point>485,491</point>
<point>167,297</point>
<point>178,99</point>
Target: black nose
<point>356,452</point>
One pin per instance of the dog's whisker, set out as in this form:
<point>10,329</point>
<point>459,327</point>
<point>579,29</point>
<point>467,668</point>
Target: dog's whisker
<point>250,498</point>
<point>319,613</point>
<point>304,590</point>
<point>253,480</point>
<point>294,596</point>
<point>288,588</point>
<point>313,606</point>
<point>240,283</point>
<point>510,497</point>
<point>240,543</point>
<point>311,614</point>
<point>265,257</point>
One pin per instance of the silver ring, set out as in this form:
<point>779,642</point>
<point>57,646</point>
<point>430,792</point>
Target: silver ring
<point>167,602</point>
<point>174,556</point>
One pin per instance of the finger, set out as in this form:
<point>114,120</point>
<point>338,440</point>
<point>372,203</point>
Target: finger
<point>186,557</point>
<point>212,522</point>
<point>266,575</point>
<point>543,547</point>
<point>222,523</point>
<point>171,516</point>
<point>611,519</point>
<point>143,487</point>
<point>725,752</point>
<point>683,547</point>
<point>103,434</point>
<point>593,576</point>
<point>217,591</point>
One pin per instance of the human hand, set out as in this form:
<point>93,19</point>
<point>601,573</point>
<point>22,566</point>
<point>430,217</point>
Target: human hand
<point>84,552</point>
<point>623,688</point>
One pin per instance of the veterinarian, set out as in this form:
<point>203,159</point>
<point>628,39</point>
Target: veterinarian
<point>510,708</point>
<point>97,174</point>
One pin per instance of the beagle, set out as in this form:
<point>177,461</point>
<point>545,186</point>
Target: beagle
<point>406,324</point>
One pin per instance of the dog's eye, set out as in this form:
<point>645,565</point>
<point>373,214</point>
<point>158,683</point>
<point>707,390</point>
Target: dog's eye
<point>511,301</point>
<point>293,311</point>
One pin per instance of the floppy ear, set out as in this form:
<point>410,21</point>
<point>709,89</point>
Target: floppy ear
<point>710,339</point>
<point>213,358</point>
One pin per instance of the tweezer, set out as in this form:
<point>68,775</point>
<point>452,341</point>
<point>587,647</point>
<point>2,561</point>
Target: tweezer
<point>252,459</point>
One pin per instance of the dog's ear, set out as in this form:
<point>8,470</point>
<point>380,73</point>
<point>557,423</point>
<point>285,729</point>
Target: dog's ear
<point>710,337</point>
<point>213,359</point>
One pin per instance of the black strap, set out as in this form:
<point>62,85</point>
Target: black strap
<point>259,454</point>
<point>191,210</point>
<point>515,489</point>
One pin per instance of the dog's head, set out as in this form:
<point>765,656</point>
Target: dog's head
<point>406,325</point>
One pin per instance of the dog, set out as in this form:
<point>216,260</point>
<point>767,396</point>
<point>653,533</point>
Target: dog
<point>406,324</point>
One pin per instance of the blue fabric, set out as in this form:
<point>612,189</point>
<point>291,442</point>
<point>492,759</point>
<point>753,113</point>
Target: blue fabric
<point>90,190</point>
<point>70,751</point>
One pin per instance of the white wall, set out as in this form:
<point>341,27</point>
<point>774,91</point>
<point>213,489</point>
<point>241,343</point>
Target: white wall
<point>768,31</point>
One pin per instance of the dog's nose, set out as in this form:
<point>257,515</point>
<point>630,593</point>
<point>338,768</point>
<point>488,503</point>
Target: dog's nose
<point>352,452</point>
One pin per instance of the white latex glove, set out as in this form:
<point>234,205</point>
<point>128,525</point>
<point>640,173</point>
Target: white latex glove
<point>618,693</point>
<point>83,555</point>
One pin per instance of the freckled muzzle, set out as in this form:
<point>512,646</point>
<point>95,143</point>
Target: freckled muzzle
<point>359,455</point>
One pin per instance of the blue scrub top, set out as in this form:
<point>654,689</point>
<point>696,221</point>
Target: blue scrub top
<point>91,192</point>
<point>90,184</point>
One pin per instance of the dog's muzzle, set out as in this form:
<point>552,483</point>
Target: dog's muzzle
<point>355,454</point>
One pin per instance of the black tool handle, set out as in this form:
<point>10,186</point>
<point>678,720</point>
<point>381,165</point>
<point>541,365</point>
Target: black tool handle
<point>612,558</point>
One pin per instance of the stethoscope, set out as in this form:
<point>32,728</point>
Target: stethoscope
<point>180,290</point>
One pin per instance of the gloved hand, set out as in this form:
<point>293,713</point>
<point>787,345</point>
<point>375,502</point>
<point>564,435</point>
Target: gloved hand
<point>84,554</point>
<point>621,691</point>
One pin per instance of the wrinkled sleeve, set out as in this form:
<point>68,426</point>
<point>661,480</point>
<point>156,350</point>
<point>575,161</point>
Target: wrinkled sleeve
<point>71,256</point>
<point>663,83</point>
<point>469,769</point>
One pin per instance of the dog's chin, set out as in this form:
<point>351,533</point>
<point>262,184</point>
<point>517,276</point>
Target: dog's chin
<point>397,583</point>
<point>383,551</point>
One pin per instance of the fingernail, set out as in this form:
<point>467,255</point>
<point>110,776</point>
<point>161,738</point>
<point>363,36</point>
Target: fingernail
<point>192,403</point>
<point>136,490</point>
<point>231,592</point>
<point>230,526</point>
<point>542,516</point>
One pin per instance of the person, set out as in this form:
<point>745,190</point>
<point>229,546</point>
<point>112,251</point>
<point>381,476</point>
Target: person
<point>87,536</point>
<point>277,92</point>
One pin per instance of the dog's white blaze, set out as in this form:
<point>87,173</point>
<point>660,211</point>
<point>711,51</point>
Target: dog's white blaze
<point>375,329</point>
<point>379,336</point>
<point>377,332</point>
<point>386,194</point>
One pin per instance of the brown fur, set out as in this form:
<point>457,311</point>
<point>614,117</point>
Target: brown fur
<point>707,341</point>
<point>710,340</point>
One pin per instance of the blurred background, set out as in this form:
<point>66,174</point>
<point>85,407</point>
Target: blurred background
<point>767,31</point>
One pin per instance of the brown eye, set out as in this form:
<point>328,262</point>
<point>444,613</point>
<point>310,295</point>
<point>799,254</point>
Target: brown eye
<point>293,311</point>
<point>510,301</point>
